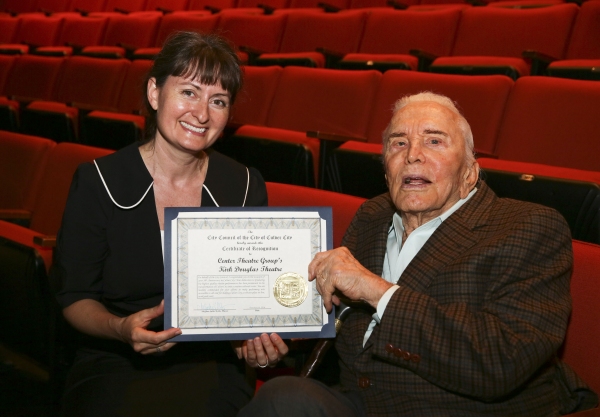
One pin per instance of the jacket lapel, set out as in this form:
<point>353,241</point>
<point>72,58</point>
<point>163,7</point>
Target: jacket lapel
<point>455,235</point>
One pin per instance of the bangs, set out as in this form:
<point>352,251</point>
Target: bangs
<point>211,68</point>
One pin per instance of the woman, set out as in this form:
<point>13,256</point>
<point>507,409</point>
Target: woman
<point>109,257</point>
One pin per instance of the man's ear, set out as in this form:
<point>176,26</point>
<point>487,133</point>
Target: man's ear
<point>471,176</point>
<point>152,92</point>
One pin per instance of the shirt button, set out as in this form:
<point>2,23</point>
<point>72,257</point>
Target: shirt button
<point>415,357</point>
<point>405,355</point>
<point>389,348</point>
<point>398,352</point>
<point>364,382</point>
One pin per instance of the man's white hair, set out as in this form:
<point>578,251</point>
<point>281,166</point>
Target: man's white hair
<point>463,125</point>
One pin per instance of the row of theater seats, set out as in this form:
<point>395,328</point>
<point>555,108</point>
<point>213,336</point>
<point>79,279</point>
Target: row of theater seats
<point>167,6</point>
<point>557,40</point>
<point>539,126</point>
<point>35,174</point>
<point>531,135</point>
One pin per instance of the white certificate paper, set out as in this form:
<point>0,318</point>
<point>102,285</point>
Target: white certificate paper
<point>234,273</point>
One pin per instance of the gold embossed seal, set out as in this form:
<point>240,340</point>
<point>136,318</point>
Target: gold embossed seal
<point>290,289</point>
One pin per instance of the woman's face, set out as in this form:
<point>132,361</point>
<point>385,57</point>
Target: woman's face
<point>189,115</point>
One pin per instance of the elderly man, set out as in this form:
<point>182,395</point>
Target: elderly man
<point>465,295</point>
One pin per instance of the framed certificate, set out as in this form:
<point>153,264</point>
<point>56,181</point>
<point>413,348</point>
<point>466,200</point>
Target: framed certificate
<point>234,273</point>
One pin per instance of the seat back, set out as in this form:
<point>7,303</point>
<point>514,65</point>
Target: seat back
<point>294,4</point>
<point>480,98</point>
<point>262,33</point>
<point>63,160</point>
<point>218,4</point>
<point>125,5</point>
<point>22,162</point>
<point>551,121</point>
<point>39,30</point>
<point>307,31</point>
<point>53,6</point>
<point>343,206</point>
<point>9,27</point>
<point>187,22</point>
<point>133,88</point>
<point>332,101</point>
<point>33,78</point>
<point>254,101</point>
<point>497,31</point>
<point>586,31</point>
<point>6,64</point>
<point>92,83</point>
<point>582,342</point>
<point>82,31</point>
<point>135,31</point>
<point>20,6</point>
<point>399,31</point>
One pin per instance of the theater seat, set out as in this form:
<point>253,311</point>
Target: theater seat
<point>34,31</point>
<point>22,163</point>
<point>582,60</point>
<point>573,193</point>
<point>25,296</point>
<point>583,334</point>
<point>344,206</point>
<point>492,40</point>
<point>76,33</point>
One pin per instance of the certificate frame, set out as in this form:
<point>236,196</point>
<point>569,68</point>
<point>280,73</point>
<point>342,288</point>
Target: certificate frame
<point>175,277</point>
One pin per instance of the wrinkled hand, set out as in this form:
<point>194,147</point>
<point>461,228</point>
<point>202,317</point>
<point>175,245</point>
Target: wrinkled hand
<point>264,350</point>
<point>133,330</point>
<point>338,270</point>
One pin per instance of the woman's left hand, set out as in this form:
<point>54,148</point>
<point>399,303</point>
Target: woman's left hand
<point>262,351</point>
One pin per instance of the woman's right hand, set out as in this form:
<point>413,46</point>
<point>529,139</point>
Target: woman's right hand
<point>133,330</point>
<point>91,317</point>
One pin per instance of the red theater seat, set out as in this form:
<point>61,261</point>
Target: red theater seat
<point>390,36</point>
<point>178,22</point>
<point>491,40</point>
<point>124,34</point>
<point>480,98</point>
<point>34,31</point>
<point>22,162</point>
<point>306,99</point>
<point>310,38</point>
<point>583,334</point>
<point>344,206</point>
<point>254,101</point>
<point>31,78</point>
<point>114,130</point>
<point>77,32</point>
<point>551,121</point>
<point>582,60</point>
<point>252,34</point>
<point>9,27</point>
<point>574,193</point>
<point>85,84</point>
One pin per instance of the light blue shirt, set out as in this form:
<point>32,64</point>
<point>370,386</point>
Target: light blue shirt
<point>398,256</point>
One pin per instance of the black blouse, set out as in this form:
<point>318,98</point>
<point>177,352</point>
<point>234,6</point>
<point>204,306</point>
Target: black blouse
<point>113,254</point>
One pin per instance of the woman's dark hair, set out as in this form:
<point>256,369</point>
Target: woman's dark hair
<point>206,57</point>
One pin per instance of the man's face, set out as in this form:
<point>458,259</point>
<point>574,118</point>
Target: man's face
<point>425,162</point>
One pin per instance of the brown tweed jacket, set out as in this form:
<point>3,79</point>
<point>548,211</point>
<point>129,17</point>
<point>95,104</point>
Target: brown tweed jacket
<point>475,326</point>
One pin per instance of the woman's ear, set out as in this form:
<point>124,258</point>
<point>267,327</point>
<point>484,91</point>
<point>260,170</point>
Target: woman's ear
<point>152,91</point>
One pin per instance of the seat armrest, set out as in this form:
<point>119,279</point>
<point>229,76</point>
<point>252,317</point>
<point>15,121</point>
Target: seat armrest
<point>425,59</point>
<point>122,11</point>
<point>333,136</point>
<point>253,54</point>
<point>45,241</point>
<point>213,10</point>
<point>10,214</point>
<point>331,57</point>
<point>164,10</point>
<point>539,61</point>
